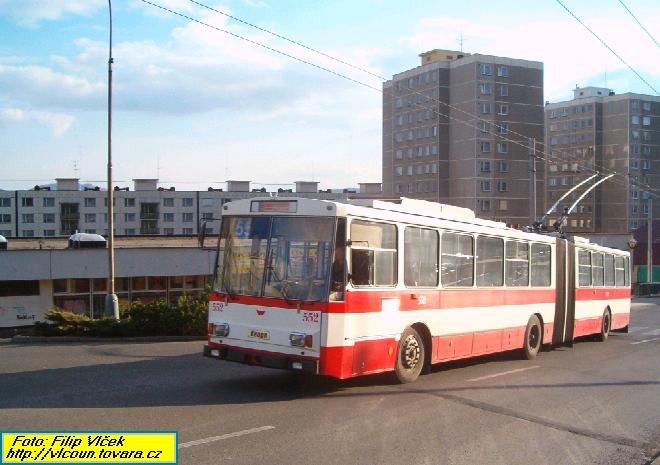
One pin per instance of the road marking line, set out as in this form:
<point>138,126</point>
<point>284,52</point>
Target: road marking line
<point>645,340</point>
<point>495,375</point>
<point>198,442</point>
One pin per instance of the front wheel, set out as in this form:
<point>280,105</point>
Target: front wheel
<point>410,356</point>
<point>533,337</point>
<point>605,326</point>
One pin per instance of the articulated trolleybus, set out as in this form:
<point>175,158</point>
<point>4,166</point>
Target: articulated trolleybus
<point>369,286</point>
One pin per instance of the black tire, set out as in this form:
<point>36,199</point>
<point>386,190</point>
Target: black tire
<point>605,326</point>
<point>533,338</point>
<point>410,356</point>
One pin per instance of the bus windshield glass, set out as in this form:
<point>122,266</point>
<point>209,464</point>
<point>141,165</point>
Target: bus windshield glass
<point>279,257</point>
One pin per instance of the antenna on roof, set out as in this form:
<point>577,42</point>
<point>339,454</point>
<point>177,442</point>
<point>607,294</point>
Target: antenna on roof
<point>460,41</point>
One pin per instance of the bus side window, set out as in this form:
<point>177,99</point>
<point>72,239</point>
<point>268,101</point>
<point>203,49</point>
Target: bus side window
<point>490,261</point>
<point>584,268</point>
<point>597,271</point>
<point>619,271</point>
<point>608,265</point>
<point>541,265</point>
<point>338,278</point>
<point>373,253</point>
<point>517,263</point>
<point>457,260</point>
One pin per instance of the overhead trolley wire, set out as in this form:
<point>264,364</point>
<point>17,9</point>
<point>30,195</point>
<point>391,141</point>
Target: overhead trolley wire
<point>545,154</point>
<point>607,46</point>
<point>639,23</point>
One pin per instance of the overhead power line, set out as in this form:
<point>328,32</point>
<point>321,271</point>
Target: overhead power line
<point>523,143</point>
<point>607,46</point>
<point>259,44</point>
<point>640,24</point>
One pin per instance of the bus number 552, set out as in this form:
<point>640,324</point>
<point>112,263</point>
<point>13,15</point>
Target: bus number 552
<point>310,317</point>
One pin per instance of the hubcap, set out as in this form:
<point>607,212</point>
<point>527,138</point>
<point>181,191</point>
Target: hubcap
<point>411,352</point>
<point>534,337</point>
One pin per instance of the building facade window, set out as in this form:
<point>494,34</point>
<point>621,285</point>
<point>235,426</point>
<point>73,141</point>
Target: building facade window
<point>90,217</point>
<point>49,201</point>
<point>168,217</point>
<point>504,110</point>
<point>187,202</point>
<point>28,218</point>
<point>187,217</point>
<point>502,71</point>
<point>129,202</point>
<point>168,202</point>
<point>5,218</point>
<point>90,202</point>
<point>502,147</point>
<point>27,202</point>
<point>485,108</point>
<point>485,69</point>
<point>485,147</point>
<point>49,217</point>
<point>504,91</point>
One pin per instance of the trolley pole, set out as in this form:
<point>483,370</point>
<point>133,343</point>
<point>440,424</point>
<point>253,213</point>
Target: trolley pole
<point>111,302</point>
<point>532,180</point>
<point>649,242</point>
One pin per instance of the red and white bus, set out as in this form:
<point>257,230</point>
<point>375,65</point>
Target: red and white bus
<point>370,286</point>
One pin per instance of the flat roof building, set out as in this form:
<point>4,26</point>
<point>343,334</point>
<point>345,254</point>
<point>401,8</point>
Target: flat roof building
<point>452,132</point>
<point>600,131</point>
<point>67,207</point>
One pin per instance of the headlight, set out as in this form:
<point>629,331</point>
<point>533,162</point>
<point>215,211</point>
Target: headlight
<point>221,330</point>
<point>301,340</point>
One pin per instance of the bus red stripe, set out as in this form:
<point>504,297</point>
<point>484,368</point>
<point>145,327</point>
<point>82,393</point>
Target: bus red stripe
<point>602,293</point>
<point>372,301</point>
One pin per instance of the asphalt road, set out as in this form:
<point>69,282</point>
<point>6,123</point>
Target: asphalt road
<point>595,403</point>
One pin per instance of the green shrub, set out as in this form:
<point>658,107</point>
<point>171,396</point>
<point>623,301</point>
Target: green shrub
<point>187,318</point>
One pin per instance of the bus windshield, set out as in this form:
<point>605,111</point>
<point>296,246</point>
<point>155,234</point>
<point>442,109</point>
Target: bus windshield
<point>280,257</point>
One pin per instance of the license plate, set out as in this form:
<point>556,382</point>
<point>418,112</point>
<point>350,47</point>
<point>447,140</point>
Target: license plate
<point>259,334</point>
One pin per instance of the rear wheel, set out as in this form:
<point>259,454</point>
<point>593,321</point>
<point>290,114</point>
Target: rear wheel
<point>410,356</point>
<point>533,337</point>
<point>605,326</point>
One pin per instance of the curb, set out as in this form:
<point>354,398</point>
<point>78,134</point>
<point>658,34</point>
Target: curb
<point>60,339</point>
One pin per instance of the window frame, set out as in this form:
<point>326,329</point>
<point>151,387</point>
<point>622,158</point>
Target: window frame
<point>371,251</point>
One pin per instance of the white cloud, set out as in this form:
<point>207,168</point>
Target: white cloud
<point>198,70</point>
<point>57,123</point>
<point>31,12</point>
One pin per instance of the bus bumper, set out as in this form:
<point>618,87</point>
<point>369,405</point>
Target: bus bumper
<point>265,359</point>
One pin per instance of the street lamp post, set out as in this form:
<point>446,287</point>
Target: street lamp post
<point>111,302</point>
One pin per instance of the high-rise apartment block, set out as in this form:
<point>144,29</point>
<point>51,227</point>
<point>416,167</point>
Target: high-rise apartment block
<point>456,130</point>
<point>608,133</point>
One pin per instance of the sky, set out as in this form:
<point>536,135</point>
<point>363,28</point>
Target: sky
<point>194,106</point>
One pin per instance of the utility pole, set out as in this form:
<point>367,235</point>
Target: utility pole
<point>111,302</point>
<point>532,180</point>
<point>649,240</point>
